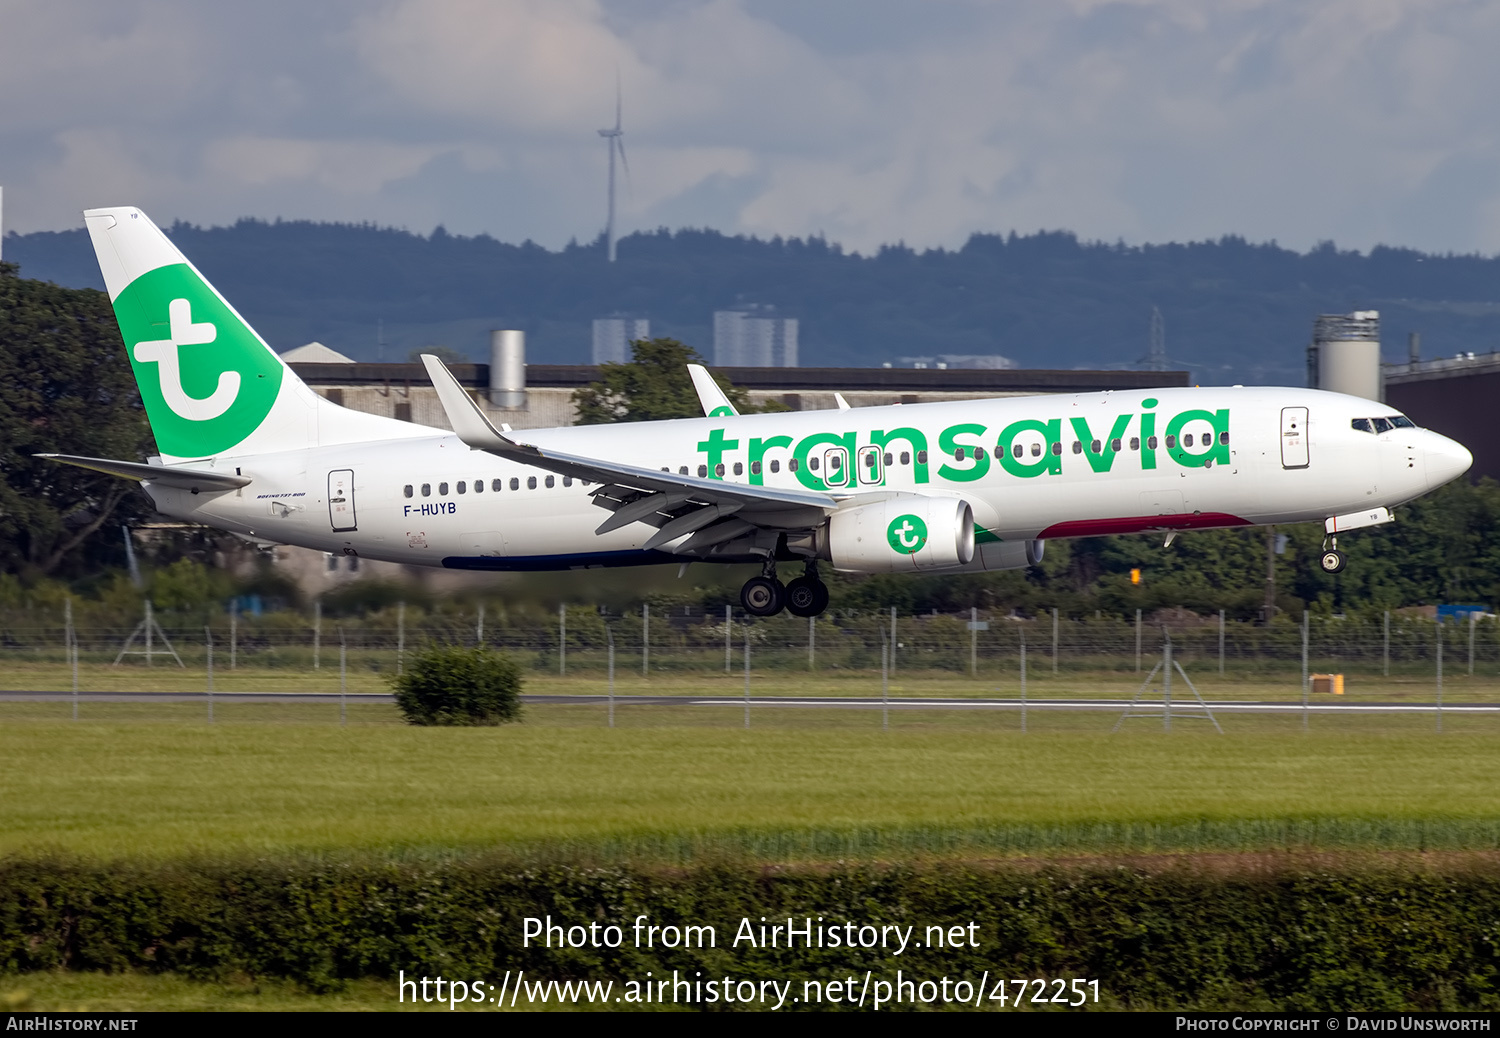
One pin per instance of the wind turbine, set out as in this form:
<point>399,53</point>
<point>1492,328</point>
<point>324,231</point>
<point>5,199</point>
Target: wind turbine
<point>615,140</point>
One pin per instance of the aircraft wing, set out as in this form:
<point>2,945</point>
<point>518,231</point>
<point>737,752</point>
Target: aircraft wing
<point>678,505</point>
<point>714,402</point>
<point>179,476</point>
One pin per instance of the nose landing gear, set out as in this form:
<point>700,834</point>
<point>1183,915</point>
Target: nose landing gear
<point>1333,560</point>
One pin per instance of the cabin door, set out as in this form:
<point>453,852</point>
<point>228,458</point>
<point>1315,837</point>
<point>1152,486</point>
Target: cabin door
<point>341,500</point>
<point>1294,438</point>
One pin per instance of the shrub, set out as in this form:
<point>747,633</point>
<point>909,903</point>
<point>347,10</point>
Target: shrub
<point>446,684</point>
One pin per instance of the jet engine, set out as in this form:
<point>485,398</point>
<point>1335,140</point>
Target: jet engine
<point>900,534</point>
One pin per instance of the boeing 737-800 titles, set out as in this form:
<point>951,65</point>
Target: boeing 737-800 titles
<point>938,488</point>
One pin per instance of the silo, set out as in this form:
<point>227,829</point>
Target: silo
<point>508,369</point>
<point>1345,354</point>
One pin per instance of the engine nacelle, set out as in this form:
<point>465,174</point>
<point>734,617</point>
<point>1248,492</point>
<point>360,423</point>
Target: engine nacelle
<point>997,555</point>
<point>900,534</point>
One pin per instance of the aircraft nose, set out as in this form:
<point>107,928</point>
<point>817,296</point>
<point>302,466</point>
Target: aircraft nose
<point>1446,459</point>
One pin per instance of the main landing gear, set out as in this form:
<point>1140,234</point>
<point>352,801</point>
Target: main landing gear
<point>1333,560</point>
<point>766,596</point>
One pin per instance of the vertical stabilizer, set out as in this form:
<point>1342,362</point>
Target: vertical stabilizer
<point>211,385</point>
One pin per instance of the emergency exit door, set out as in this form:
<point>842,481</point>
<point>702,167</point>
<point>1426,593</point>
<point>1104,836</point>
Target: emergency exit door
<point>1294,438</point>
<point>341,500</point>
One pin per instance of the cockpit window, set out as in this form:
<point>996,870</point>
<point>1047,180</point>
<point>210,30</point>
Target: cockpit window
<point>1400,421</point>
<point>1362,425</point>
<point>1382,425</point>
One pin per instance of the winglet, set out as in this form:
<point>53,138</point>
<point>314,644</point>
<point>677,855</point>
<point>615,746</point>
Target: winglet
<point>464,415</point>
<point>839,399</point>
<point>715,403</point>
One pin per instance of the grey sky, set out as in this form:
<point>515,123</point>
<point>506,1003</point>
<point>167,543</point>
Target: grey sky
<point>1360,121</point>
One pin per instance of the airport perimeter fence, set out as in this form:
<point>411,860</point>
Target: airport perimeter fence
<point>1383,651</point>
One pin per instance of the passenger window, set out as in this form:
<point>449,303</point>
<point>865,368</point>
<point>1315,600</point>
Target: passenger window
<point>1057,448</point>
<point>1223,437</point>
<point>719,469</point>
<point>1135,443</point>
<point>426,489</point>
<point>887,459</point>
<point>1114,445</point>
<point>496,485</point>
<point>791,465</point>
<point>702,471</point>
<point>551,482</point>
<point>1151,442</point>
<point>1017,450</point>
<point>1171,442</point>
<point>836,463</point>
<point>462,487</point>
<point>568,480</point>
<point>755,468</point>
<point>442,490</point>
<point>775,466</point>
<point>739,469</point>
<point>530,482</point>
<point>921,457</point>
<point>905,457</point>
<point>1098,448</point>
<point>812,463</point>
<point>406,490</point>
<point>1187,441</point>
<point>871,460</point>
<point>682,471</point>
<point>958,455</point>
<point>1077,446</point>
<point>515,484</point>
<point>479,486</point>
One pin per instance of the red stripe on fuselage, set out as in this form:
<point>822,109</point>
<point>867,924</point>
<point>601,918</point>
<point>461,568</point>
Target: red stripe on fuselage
<point>1140,524</point>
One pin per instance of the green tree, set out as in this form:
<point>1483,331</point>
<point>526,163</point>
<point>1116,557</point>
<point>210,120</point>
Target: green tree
<point>452,685</point>
<point>65,388</point>
<point>652,386</point>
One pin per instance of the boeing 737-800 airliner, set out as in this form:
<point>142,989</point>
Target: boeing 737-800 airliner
<point>955,487</point>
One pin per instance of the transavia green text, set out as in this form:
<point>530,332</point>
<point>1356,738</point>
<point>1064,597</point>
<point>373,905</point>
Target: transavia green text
<point>964,452</point>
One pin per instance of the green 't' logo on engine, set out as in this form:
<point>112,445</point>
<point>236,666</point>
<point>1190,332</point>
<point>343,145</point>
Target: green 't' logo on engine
<point>907,534</point>
<point>206,380</point>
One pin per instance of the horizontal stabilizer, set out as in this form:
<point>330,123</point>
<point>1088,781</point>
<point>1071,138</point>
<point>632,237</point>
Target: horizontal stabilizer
<point>179,476</point>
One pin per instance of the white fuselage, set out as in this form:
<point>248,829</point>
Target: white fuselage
<point>1164,459</point>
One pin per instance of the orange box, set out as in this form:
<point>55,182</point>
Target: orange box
<point>1331,683</point>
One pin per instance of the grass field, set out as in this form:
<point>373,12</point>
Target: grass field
<point>162,790</point>
<point>1408,684</point>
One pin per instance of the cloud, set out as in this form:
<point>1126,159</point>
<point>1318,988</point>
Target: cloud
<point>1355,120</point>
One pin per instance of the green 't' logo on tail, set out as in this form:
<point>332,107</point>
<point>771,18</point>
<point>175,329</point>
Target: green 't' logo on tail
<point>206,380</point>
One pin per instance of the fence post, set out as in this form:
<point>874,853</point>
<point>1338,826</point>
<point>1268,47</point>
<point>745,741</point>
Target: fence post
<point>973,641</point>
<point>1054,640</point>
<point>562,639</point>
<point>400,636</point>
<point>812,642</point>
<point>885,686</point>
<point>1221,643</point>
<point>1439,626</point>
<point>70,646</point>
<point>892,653</point>
<point>234,633</point>
<point>150,625</point>
<point>728,627</point>
<point>1137,641</point>
<point>479,628</point>
<point>1023,682</point>
<point>1472,618</point>
<point>1385,651</point>
<point>1166,687</point>
<point>1304,670</point>
<point>343,670</point>
<point>645,639</point>
<point>747,674</point>
<point>317,633</point>
<point>208,642</point>
<point>611,635</point>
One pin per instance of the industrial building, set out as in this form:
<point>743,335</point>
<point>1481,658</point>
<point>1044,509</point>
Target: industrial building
<point>754,336</point>
<point>613,336</point>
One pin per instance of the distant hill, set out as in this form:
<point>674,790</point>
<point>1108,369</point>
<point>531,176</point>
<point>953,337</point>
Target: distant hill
<point>1234,311</point>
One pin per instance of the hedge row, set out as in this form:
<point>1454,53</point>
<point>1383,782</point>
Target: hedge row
<point>1284,936</point>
